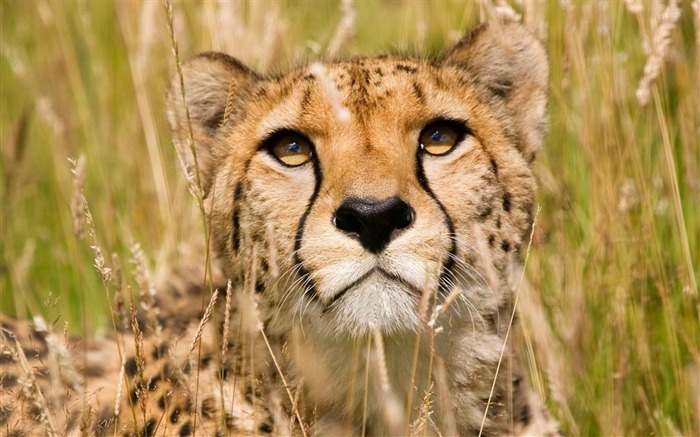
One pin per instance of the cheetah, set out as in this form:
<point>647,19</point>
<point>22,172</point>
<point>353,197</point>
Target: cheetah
<point>369,214</point>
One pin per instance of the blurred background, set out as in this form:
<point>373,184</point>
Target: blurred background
<point>611,325</point>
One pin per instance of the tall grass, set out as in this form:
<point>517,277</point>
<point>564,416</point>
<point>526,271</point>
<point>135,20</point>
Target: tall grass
<point>613,268</point>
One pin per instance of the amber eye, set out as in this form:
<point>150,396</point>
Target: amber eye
<point>291,148</point>
<point>440,137</point>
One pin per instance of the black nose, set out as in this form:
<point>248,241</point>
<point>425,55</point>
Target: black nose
<point>374,223</point>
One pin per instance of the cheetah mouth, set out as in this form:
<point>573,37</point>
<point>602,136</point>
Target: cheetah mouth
<point>376,274</point>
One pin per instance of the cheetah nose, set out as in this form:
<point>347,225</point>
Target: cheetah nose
<point>373,223</point>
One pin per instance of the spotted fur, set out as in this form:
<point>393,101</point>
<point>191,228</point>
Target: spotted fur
<point>436,297</point>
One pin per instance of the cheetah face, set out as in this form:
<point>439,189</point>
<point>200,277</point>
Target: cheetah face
<point>353,191</point>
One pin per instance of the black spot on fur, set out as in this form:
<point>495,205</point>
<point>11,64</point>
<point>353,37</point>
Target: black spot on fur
<point>5,412</point>
<point>213,123</point>
<point>35,411</point>
<point>501,88</point>
<point>306,99</point>
<point>266,428</point>
<point>205,361</point>
<point>484,212</point>
<point>405,68</point>
<point>208,408</point>
<point>153,383</point>
<point>160,351</point>
<point>523,415</point>
<point>130,367</point>
<point>186,429</point>
<point>225,372</point>
<point>506,202</point>
<point>418,92</point>
<point>230,425</point>
<point>8,380</point>
<point>492,240</point>
<point>505,246</point>
<point>494,166</point>
<point>6,358</point>
<point>174,415</point>
<point>150,428</point>
<point>259,287</point>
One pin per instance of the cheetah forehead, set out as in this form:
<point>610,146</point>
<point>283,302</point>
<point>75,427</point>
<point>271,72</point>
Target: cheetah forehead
<point>365,93</point>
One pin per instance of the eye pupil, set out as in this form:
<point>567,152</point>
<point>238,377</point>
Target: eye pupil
<point>294,147</point>
<point>438,137</point>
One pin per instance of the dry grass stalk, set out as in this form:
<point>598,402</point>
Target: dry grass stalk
<point>77,204</point>
<point>393,414</point>
<point>120,386</point>
<point>292,399</point>
<point>345,30</point>
<point>229,102</point>
<point>120,312</point>
<point>140,359</point>
<point>202,324</point>
<point>657,48</point>
<point>328,87</point>
<point>419,426</point>
<point>381,360</point>
<point>449,424</point>
<point>104,271</point>
<point>227,323</point>
<point>86,418</point>
<point>147,290</point>
<point>510,322</point>
<point>61,369</point>
<point>138,334</point>
<point>197,187</point>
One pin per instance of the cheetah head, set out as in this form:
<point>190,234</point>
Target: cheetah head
<point>345,191</point>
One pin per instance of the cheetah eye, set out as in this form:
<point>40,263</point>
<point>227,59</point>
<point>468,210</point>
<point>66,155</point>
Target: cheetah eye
<point>289,147</point>
<point>440,137</point>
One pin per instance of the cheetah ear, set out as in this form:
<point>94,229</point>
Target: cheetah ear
<point>211,81</point>
<point>509,60</point>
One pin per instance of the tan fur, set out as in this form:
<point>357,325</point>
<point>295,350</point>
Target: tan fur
<point>321,296</point>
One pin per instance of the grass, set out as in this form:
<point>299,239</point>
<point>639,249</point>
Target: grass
<point>615,256</point>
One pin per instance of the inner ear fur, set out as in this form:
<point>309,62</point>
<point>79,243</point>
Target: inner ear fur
<point>508,59</point>
<point>211,81</point>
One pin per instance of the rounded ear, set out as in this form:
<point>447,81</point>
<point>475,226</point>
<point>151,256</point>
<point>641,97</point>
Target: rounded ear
<point>213,83</point>
<point>509,60</point>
